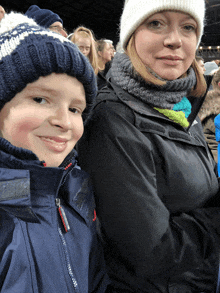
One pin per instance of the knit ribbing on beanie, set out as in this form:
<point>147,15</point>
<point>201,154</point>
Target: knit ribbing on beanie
<point>171,96</point>
<point>43,17</point>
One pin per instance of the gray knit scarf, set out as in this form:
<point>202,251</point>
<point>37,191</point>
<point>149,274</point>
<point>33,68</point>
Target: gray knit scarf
<point>164,97</point>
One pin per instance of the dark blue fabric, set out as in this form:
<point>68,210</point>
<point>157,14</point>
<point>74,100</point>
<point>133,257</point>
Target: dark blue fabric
<point>36,255</point>
<point>43,17</point>
<point>218,284</point>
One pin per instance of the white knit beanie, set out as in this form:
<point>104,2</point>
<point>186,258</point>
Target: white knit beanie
<point>136,11</point>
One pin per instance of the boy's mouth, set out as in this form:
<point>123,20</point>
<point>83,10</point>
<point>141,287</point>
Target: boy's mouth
<point>54,139</point>
<point>56,144</point>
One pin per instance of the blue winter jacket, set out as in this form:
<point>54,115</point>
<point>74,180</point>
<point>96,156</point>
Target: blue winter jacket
<point>36,252</point>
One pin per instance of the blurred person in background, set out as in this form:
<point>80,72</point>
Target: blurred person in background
<point>85,41</point>
<point>201,64</point>
<point>47,19</point>
<point>209,110</point>
<point>2,12</point>
<point>211,67</point>
<point>105,56</point>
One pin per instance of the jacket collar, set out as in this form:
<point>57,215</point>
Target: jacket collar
<point>143,109</point>
<point>22,176</point>
<point>28,189</point>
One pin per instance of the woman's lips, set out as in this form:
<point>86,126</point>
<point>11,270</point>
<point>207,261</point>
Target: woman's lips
<point>171,60</point>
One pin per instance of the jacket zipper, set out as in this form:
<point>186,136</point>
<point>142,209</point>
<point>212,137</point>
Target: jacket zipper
<point>67,258</point>
<point>62,215</point>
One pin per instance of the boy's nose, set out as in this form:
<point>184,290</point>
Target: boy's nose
<point>62,119</point>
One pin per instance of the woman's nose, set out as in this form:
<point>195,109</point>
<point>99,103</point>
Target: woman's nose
<point>173,39</point>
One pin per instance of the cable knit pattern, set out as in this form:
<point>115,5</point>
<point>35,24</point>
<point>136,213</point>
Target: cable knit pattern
<point>164,97</point>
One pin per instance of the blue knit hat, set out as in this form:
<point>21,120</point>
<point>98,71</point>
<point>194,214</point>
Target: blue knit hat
<point>43,17</point>
<point>28,51</point>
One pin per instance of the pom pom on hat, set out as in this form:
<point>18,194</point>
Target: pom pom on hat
<point>28,51</point>
<point>43,17</point>
<point>136,11</point>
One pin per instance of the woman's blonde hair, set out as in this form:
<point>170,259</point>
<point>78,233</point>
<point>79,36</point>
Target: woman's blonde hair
<point>84,32</point>
<point>199,89</point>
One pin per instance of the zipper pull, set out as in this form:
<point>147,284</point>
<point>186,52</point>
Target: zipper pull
<point>62,215</point>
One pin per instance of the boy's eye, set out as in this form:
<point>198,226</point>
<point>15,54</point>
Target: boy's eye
<point>39,100</point>
<point>74,110</point>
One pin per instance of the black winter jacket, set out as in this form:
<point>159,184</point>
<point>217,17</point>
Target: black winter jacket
<point>156,193</point>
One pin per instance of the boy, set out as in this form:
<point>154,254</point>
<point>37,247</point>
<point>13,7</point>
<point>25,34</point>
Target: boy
<point>48,237</point>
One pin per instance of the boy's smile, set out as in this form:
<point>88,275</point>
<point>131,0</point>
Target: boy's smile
<point>46,117</point>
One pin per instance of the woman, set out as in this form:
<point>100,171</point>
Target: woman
<point>85,41</point>
<point>105,50</point>
<point>154,178</point>
<point>105,53</point>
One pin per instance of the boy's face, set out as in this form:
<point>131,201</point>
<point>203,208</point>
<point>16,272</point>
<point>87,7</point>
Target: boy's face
<point>46,117</point>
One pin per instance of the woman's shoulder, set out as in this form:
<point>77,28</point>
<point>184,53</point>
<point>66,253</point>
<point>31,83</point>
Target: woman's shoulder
<point>108,103</point>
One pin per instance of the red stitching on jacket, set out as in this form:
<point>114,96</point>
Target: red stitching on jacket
<point>94,216</point>
<point>68,166</point>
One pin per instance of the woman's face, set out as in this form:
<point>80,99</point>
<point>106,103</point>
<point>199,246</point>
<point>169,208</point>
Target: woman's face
<point>106,54</point>
<point>166,43</point>
<point>84,45</point>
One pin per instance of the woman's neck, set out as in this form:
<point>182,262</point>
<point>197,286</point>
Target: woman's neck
<point>101,64</point>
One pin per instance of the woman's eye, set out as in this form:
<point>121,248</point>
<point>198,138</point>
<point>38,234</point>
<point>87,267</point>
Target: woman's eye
<point>154,24</point>
<point>39,100</point>
<point>189,28</point>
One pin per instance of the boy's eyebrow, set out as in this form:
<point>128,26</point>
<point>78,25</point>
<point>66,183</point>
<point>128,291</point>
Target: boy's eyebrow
<point>42,88</point>
<point>77,100</point>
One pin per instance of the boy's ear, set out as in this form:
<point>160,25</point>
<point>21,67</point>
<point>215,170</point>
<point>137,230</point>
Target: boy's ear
<point>0,134</point>
<point>219,84</point>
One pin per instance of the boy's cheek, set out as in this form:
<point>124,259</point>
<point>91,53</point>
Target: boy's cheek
<point>17,131</point>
